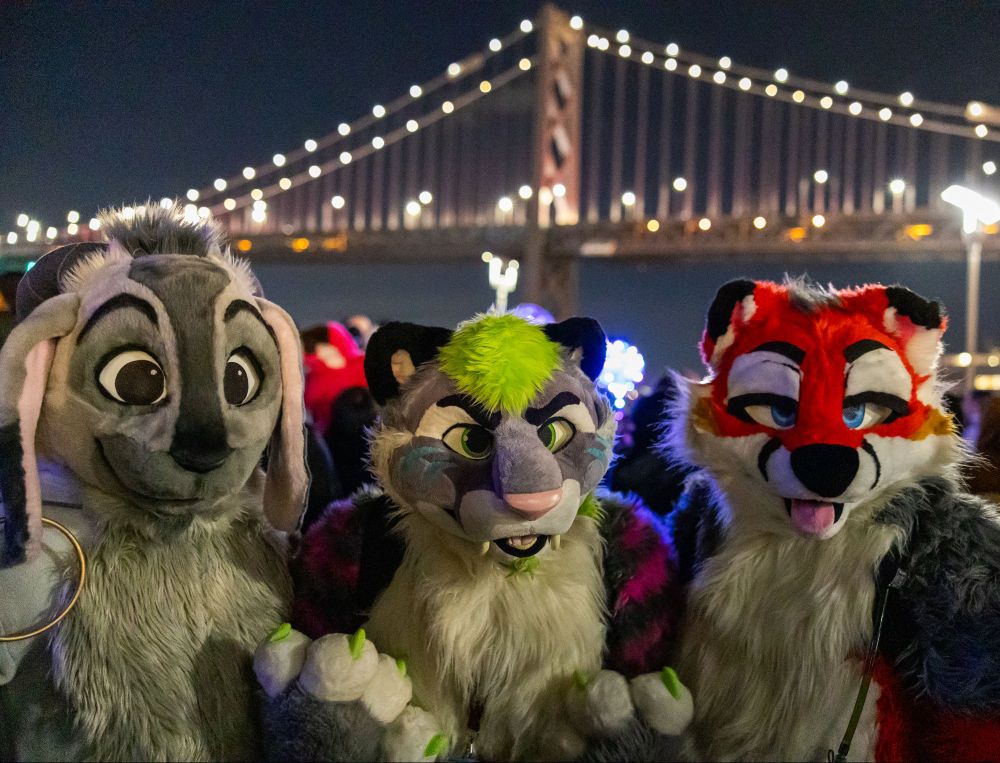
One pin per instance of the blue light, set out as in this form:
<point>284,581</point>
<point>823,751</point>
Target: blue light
<point>623,370</point>
<point>29,266</point>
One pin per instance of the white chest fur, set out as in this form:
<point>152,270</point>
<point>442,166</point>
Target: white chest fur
<point>474,634</point>
<point>777,628</point>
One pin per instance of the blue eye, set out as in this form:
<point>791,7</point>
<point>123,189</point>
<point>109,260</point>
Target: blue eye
<point>854,415</point>
<point>778,415</point>
<point>783,415</point>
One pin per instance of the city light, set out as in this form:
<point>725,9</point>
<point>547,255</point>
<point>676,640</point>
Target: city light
<point>219,184</point>
<point>725,62</point>
<point>485,86</point>
<point>344,129</point>
<point>229,204</point>
<point>840,88</point>
<point>855,108</point>
<point>897,186</point>
<point>965,359</point>
<point>256,194</point>
<point>345,157</point>
<point>821,176</point>
<point>51,232</point>
<point>495,45</point>
<point>310,146</point>
<point>315,171</point>
<point>378,111</point>
<point>906,99</point>
<point>524,64</point>
<point>425,197</point>
<point>524,192</point>
<point>72,229</point>
<point>623,369</point>
<point>278,160</point>
<point>447,107</point>
<point>989,167</point>
<point>916,120</point>
<point>826,102</point>
<point>670,64</point>
<point>652,226</point>
<point>781,75</point>
<point>628,199</point>
<point>798,96</point>
<point>694,70</point>
<point>166,202</point>
<point>622,35</point>
<point>759,223</point>
<point>31,230</point>
<point>378,142</point>
<point>974,109</point>
<point>413,208</point>
<point>745,83</point>
<point>204,213</point>
<point>258,215</point>
<point>22,220</point>
<point>719,77</point>
<point>249,173</point>
<point>981,131</point>
<point>558,190</point>
<point>412,125</point>
<point>818,221</point>
<point>526,26</point>
<point>648,57</point>
<point>704,223</point>
<point>337,202</point>
<point>94,224</point>
<point>12,238</point>
<point>72,216</point>
<point>625,51</point>
<point>416,91</point>
<point>192,194</point>
<point>771,90</point>
<point>576,23</point>
<point>975,207</point>
<point>505,204</point>
<point>284,184</point>
<point>454,70</point>
<point>885,114</point>
<point>680,184</point>
<point>672,49</point>
<point>593,40</point>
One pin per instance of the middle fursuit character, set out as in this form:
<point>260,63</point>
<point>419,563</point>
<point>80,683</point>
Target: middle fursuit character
<point>513,602</point>
<point>829,537</point>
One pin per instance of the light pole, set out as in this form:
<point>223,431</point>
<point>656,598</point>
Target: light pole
<point>503,280</point>
<point>977,211</point>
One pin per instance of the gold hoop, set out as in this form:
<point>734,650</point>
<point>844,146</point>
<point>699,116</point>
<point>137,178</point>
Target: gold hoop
<point>82,558</point>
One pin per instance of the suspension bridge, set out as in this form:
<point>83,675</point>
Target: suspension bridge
<point>563,141</point>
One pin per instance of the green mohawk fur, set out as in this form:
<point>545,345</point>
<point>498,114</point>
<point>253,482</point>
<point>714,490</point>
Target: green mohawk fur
<point>500,361</point>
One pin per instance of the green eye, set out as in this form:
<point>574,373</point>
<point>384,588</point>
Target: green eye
<point>555,434</point>
<point>469,440</point>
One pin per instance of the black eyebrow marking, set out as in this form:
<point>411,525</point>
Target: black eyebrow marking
<point>238,306</point>
<point>537,416</point>
<point>471,407</point>
<point>120,302</point>
<point>789,350</point>
<point>894,403</point>
<point>862,347</point>
<point>737,406</point>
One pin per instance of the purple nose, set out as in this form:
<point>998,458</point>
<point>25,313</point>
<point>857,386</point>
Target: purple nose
<point>534,505</point>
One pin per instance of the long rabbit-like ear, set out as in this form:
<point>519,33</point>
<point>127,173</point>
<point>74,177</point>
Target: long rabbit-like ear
<point>25,362</point>
<point>286,489</point>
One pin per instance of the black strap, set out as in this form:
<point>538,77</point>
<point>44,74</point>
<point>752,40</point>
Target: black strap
<point>890,574</point>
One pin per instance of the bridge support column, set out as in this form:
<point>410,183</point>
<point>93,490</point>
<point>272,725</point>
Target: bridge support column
<point>555,182</point>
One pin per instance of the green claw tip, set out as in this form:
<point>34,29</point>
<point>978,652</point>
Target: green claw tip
<point>580,679</point>
<point>437,746</point>
<point>357,643</point>
<point>280,633</point>
<point>671,681</point>
<point>401,664</point>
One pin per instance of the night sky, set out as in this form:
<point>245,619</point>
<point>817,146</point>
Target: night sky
<point>113,102</point>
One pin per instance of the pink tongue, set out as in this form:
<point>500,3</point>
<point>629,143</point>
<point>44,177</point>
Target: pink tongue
<point>811,517</point>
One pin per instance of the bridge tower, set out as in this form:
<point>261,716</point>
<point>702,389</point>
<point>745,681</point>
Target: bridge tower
<point>548,279</point>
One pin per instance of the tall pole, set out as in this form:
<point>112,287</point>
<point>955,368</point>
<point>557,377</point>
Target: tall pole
<point>974,255</point>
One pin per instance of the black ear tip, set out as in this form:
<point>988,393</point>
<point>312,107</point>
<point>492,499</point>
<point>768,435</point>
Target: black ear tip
<point>421,342</point>
<point>585,334</point>
<point>923,312</point>
<point>42,281</point>
<point>721,310</point>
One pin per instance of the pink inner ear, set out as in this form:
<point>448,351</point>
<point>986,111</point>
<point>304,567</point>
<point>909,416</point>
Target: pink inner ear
<point>287,485</point>
<point>29,408</point>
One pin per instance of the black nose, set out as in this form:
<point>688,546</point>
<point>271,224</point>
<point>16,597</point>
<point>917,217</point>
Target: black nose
<point>199,449</point>
<point>826,470</point>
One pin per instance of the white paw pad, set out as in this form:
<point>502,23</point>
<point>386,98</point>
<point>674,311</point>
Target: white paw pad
<point>663,702</point>
<point>279,659</point>
<point>600,706</point>
<point>338,667</point>
<point>414,735</point>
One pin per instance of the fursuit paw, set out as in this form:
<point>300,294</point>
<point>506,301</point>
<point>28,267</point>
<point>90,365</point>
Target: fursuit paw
<point>414,735</point>
<point>600,706</point>
<point>662,702</point>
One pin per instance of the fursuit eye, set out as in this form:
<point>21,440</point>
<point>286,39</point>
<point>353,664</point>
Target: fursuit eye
<point>865,415</point>
<point>777,415</point>
<point>469,440</point>
<point>133,377</point>
<point>241,380</point>
<point>555,434</point>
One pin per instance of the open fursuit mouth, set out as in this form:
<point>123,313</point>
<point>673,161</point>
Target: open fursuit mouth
<point>523,546</point>
<point>813,517</point>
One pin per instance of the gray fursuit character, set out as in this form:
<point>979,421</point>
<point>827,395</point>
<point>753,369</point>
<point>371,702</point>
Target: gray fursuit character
<point>829,505</point>
<point>140,389</point>
<point>516,602</point>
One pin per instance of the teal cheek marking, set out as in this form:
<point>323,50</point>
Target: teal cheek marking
<point>597,453</point>
<point>416,460</point>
